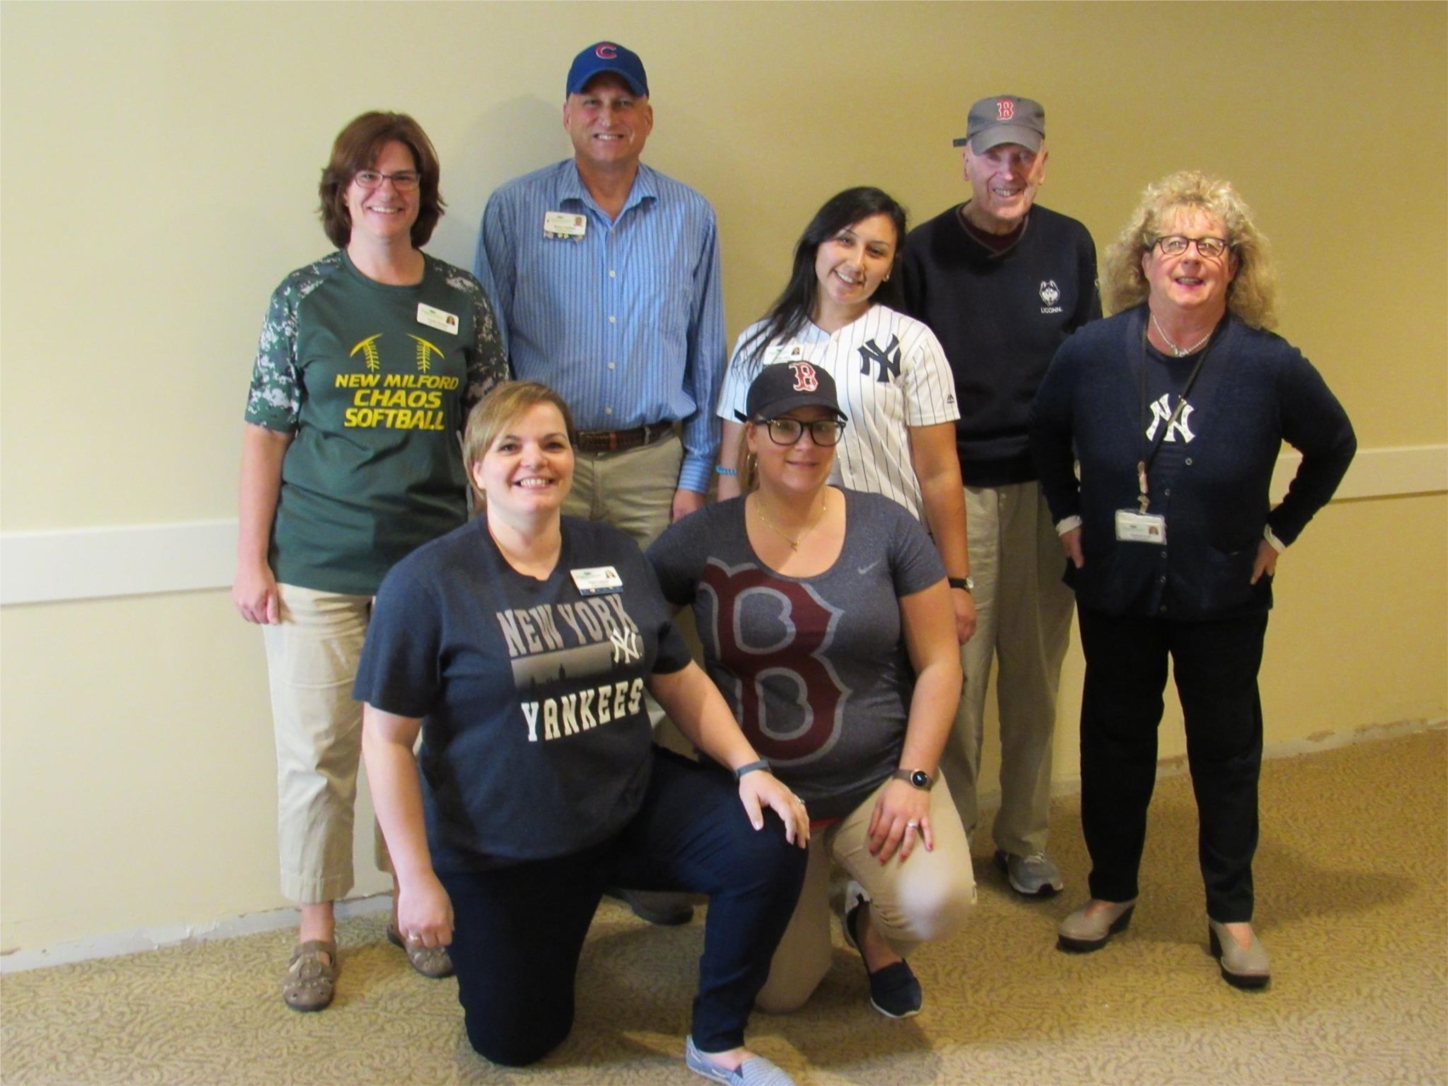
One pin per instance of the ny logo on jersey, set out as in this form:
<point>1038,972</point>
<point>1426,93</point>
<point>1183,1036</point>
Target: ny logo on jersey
<point>1161,412</point>
<point>625,646</point>
<point>888,360</point>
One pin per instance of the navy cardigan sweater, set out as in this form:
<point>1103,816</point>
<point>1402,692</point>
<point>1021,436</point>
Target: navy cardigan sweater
<point>1254,391</point>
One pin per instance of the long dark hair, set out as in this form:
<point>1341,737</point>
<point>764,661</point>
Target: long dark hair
<point>797,303</point>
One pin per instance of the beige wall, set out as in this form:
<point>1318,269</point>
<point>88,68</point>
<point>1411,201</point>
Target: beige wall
<point>158,175</point>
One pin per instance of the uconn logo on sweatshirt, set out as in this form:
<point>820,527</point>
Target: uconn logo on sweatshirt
<point>1050,294</point>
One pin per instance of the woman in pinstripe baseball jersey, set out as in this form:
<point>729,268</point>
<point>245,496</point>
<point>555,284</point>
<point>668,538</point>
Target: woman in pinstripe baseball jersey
<point>894,381</point>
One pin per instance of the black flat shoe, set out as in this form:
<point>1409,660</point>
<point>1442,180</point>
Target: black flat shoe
<point>894,990</point>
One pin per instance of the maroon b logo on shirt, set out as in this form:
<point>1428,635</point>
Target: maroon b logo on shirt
<point>808,698</point>
<point>805,378</point>
<point>1005,109</point>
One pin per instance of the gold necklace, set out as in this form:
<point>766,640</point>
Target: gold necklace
<point>793,543</point>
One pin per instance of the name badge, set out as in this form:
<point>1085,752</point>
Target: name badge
<point>1134,527</point>
<point>598,581</point>
<point>783,352</point>
<point>562,224</point>
<point>440,319</point>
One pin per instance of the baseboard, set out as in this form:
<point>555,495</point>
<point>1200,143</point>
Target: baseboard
<point>148,559</point>
<point>139,940</point>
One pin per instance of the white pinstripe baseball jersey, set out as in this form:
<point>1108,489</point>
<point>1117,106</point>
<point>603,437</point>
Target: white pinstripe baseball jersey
<point>891,374</point>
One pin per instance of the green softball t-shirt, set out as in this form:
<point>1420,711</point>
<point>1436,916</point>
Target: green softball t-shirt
<point>373,382</point>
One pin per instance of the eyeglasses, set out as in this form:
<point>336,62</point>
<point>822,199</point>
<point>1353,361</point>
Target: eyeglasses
<point>823,432</point>
<point>402,180</point>
<point>1207,248</point>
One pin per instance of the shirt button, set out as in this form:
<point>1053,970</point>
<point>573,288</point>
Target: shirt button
<point>1189,461</point>
<point>1161,579</point>
<point>612,320</point>
<point>1167,492</point>
<point>609,411</point>
<point>612,274</point>
<point>612,366</point>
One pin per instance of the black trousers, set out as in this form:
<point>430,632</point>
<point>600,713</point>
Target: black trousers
<point>1215,665</point>
<point>519,931</point>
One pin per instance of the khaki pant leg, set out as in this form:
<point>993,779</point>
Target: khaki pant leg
<point>960,760</point>
<point>922,898</point>
<point>805,953</point>
<point>1033,630</point>
<point>312,657</point>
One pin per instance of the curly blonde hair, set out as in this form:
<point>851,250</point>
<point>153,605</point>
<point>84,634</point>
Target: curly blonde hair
<point>1252,294</point>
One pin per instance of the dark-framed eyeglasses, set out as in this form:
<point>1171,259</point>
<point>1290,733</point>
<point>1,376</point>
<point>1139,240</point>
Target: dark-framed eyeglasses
<point>1207,248</point>
<point>402,180</point>
<point>823,432</point>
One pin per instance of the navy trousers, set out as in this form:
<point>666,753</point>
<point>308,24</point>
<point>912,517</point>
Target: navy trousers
<point>1215,665</point>
<point>519,930</point>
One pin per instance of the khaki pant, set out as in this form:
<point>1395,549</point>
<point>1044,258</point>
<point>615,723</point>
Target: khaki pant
<point>1023,621</point>
<point>312,658</point>
<point>920,900</point>
<point>632,490</point>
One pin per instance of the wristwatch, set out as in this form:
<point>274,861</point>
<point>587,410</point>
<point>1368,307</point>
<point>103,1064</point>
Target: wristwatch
<point>961,582</point>
<point>917,778</point>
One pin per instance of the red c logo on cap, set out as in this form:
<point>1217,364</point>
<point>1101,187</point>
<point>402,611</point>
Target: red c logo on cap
<point>605,51</point>
<point>805,379</point>
<point>1005,109</point>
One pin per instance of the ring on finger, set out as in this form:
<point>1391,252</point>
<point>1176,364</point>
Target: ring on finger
<point>912,825</point>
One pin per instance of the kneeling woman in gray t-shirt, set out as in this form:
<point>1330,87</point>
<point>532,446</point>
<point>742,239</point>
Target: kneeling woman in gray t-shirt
<point>827,624</point>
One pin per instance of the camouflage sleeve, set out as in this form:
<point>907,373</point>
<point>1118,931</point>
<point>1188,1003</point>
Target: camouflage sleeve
<point>487,362</point>
<point>274,400</point>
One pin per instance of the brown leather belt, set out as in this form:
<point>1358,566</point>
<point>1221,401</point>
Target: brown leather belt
<point>602,441</point>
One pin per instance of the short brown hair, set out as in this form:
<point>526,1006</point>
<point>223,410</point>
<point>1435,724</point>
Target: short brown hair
<point>356,149</point>
<point>491,415</point>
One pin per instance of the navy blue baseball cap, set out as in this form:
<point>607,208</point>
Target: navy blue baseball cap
<point>607,56</point>
<point>786,385</point>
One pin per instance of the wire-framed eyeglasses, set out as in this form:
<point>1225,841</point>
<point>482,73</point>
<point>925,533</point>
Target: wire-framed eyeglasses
<point>402,180</point>
<point>1207,248</point>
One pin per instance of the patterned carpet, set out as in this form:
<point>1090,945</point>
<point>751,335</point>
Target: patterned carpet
<point>1352,876</point>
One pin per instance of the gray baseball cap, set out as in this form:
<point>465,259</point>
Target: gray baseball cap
<point>1004,119</point>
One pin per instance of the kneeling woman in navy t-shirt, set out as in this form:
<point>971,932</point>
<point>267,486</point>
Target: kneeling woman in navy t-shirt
<point>521,646</point>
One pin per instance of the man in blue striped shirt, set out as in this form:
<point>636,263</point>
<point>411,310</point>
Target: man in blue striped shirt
<point>605,277</point>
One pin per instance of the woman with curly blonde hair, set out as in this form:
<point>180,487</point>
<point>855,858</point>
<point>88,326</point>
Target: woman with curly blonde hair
<point>1176,408</point>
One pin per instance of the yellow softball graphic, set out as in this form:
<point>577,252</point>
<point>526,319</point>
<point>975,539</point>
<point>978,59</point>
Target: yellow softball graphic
<point>368,347</point>
<point>425,351</point>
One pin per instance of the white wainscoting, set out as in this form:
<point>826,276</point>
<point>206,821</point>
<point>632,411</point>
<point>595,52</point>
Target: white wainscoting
<point>145,559</point>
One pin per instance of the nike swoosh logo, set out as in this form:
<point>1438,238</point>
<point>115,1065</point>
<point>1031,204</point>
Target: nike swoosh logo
<point>866,569</point>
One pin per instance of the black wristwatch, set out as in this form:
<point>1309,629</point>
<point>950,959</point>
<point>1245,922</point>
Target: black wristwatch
<point>965,583</point>
<point>917,778</point>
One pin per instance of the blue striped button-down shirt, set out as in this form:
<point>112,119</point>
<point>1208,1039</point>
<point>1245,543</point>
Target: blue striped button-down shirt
<point>627,321</point>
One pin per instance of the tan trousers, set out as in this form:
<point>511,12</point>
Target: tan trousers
<point>312,658</point>
<point>632,490</point>
<point>1023,621</point>
<point>923,899</point>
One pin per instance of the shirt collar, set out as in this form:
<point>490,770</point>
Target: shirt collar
<point>571,187</point>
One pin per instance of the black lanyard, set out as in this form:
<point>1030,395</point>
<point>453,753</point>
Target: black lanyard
<point>1143,466</point>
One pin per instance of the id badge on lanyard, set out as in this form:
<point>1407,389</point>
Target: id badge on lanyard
<point>1139,525</point>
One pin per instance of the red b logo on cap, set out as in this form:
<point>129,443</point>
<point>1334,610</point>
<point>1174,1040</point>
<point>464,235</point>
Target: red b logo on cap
<point>1005,109</point>
<point>805,379</point>
<point>606,51</point>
